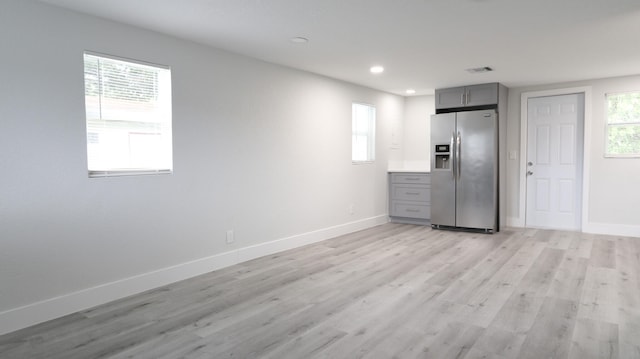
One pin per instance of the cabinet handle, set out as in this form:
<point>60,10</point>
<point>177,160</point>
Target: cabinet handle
<point>412,178</point>
<point>413,210</point>
<point>412,193</point>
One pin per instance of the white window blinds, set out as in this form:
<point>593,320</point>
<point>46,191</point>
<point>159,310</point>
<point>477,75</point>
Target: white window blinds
<point>128,108</point>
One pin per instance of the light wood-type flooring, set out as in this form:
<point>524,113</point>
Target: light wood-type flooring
<point>393,291</point>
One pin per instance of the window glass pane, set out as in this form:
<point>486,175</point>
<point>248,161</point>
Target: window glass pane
<point>624,139</point>
<point>128,109</point>
<point>623,124</point>
<point>623,107</point>
<point>363,133</point>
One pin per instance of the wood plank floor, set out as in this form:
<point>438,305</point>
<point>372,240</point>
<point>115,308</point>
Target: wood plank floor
<point>393,291</point>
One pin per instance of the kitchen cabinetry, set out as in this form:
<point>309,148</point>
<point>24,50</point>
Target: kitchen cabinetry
<point>410,197</point>
<point>467,96</point>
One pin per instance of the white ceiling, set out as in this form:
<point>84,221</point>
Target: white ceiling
<point>423,44</point>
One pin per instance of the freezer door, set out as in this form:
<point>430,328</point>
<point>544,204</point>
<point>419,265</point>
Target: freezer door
<point>477,165</point>
<point>443,195</point>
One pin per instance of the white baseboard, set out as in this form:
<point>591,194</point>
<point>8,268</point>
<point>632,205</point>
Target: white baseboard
<point>279,245</point>
<point>612,229</point>
<point>591,227</point>
<point>22,317</point>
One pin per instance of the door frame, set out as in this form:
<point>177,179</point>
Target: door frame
<point>586,151</point>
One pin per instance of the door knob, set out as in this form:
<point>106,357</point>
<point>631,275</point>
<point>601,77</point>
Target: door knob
<point>529,173</point>
<point>529,164</point>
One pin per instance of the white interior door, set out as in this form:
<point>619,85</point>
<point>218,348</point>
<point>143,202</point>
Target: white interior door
<point>554,161</point>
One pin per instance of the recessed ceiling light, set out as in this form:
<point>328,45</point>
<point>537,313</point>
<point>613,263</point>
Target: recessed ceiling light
<point>410,91</point>
<point>299,40</point>
<point>477,70</point>
<point>376,69</point>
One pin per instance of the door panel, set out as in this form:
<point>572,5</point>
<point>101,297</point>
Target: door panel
<point>443,194</point>
<point>542,138</point>
<point>566,195</point>
<point>554,158</point>
<point>542,194</point>
<point>567,144</point>
<point>476,186</point>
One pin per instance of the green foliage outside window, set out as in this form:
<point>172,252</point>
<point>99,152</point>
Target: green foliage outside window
<point>623,124</point>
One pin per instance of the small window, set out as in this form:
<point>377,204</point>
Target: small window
<point>623,124</point>
<point>363,139</point>
<point>128,108</point>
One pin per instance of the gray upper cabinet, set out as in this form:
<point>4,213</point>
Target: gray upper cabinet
<point>485,94</point>
<point>466,96</point>
<point>451,97</point>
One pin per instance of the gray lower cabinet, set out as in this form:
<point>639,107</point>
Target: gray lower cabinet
<point>410,197</point>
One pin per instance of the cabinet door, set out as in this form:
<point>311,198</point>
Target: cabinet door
<point>485,94</point>
<point>450,98</point>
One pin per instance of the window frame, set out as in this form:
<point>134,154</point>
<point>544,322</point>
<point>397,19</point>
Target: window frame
<point>370,134</point>
<point>92,135</point>
<point>609,125</point>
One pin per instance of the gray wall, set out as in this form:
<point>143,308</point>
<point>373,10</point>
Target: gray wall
<point>417,131</point>
<point>260,149</point>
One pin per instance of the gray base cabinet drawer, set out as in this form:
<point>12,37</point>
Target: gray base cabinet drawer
<point>409,192</point>
<point>410,197</point>
<point>410,178</point>
<point>410,210</point>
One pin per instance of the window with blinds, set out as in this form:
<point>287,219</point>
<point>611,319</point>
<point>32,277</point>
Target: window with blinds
<point>623,124</point>
<point>128,108</point>
<point>363,131</point>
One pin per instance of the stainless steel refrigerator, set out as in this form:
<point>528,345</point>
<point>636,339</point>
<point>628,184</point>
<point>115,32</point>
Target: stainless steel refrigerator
<point>464,170</point>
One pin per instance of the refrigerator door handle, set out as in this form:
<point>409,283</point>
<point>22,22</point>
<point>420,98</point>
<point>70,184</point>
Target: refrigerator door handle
<point>458,151</point>
<point>453,156</point>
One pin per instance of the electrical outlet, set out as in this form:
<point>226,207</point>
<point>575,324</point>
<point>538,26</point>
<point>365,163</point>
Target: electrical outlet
<point>230,236</point>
